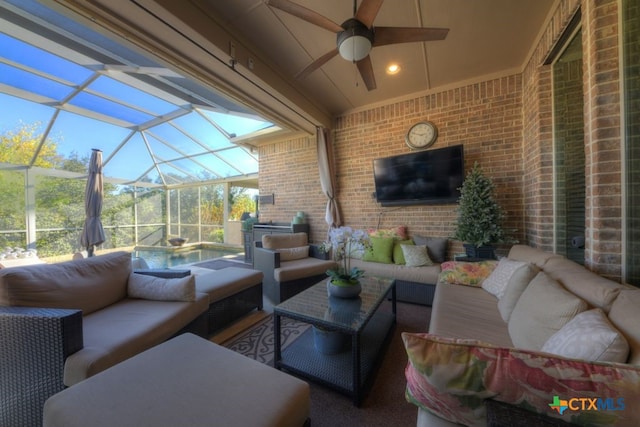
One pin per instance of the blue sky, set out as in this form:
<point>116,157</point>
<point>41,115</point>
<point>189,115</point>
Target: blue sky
<point>41,75</point>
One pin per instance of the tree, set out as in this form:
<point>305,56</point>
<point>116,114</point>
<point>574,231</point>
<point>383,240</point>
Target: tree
<point>480,217</point>
<point>19,146</point>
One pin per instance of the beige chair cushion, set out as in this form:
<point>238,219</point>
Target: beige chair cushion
<point>283,241</point>
<point>87,284</point>
<point>625,316</point>
<point>589,336</point>
<point>301,268</point>
<point>290,254</point>
<point>542,310</point>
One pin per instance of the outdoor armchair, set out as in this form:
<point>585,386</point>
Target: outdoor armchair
<point>289,264</point>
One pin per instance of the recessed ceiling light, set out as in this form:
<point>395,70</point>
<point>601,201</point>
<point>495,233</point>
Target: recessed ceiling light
<point>393,69</point>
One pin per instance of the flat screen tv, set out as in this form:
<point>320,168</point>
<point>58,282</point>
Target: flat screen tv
<point>420,178</point>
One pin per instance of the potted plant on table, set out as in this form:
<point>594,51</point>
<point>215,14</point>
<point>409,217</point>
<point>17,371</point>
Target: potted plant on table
<point>344,242</point>
<point>480,217</point>
<point>344,282</point>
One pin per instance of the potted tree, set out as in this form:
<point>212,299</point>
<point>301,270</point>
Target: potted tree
<point>480,217</point>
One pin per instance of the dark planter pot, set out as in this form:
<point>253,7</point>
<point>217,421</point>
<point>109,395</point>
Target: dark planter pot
<point>480,252</point>
<point>330,342</point>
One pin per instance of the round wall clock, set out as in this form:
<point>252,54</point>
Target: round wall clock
<point>421,135</point>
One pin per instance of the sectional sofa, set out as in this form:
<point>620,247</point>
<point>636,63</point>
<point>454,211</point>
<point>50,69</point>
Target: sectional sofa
<point>61,323</point>
<point>536,334</point>
<point>416,278</point>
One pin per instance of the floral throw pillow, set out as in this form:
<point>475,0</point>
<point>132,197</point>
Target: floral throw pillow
<point>466,273</point>
<point>452,377</point>
<point>381,250</point>
<point>399,232</point>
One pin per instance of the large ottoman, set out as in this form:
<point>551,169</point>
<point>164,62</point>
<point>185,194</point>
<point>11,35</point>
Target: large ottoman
<point>233,292</point>
<point>186,381</point>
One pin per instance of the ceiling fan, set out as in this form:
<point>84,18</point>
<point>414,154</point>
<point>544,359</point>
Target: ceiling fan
<point>357,35</point>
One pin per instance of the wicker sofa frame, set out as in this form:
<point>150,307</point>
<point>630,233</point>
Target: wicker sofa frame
<point>34,344</point>
<point>267,260</point>
<point>226,311</point>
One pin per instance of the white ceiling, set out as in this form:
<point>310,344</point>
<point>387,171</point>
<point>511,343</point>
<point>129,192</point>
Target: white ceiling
<point>486,38</point>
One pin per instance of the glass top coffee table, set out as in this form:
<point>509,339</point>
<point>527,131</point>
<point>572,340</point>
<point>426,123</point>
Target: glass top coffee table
<point>368,321</point>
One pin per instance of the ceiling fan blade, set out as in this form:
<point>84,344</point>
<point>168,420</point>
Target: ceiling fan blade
<point>317,64</point>
<point>305,14</point>
<point>366,72</point>
<point>392,35</point>
<point>368,11</point>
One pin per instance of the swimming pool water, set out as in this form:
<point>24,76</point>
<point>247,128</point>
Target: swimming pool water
<point>160,258</point>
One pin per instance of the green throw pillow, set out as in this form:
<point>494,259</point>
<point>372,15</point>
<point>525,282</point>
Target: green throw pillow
<point>381,250</point>
<point>398,254</point>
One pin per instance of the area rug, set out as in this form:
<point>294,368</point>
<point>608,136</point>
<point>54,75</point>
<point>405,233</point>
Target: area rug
<point>384,404</point>
<point>258,341</point>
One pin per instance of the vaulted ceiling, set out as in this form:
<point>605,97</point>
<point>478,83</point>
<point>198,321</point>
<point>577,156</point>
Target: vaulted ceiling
<point>486,38</point>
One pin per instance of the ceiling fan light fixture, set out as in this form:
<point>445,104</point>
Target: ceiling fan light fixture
<point>355,42</point>
<point>393,69</point>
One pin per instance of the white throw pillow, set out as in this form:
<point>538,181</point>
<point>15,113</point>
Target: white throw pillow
<point>290,254</point>
<point>415,256</point>
<point>518,282</point>
<point>542,310</point>
<point>160,289</point>
<point>498,280</point>
<point>589,336</point>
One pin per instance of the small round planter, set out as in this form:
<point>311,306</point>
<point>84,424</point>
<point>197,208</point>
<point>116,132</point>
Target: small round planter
<point>329,342</point>
<point>343,291</point>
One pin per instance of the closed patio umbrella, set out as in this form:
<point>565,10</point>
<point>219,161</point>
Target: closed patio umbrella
<point>92,231</point>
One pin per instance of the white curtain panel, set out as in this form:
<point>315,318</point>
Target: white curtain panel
<point>328,177</point>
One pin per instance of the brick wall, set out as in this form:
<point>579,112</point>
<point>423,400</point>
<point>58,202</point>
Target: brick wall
<point>485,117</point>
<point>602,137</point>
<point>632,124</point>
<point>505,125</point>
<point>289,171</point>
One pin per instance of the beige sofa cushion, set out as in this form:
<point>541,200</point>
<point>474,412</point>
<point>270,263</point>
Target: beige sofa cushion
<point>625,316</point>
<point>87,284</point>
<point>542,310</point>
<point>125,329</point>
<point>162,289</point>
<point>529,254</point>
<point>461,311</point>
<point>518,282</point>
<point>284,241</point>
<point>427,274</point>
<point>596,290</point>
